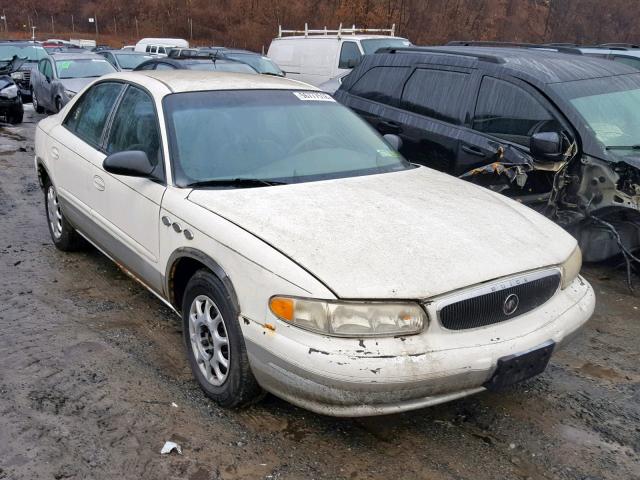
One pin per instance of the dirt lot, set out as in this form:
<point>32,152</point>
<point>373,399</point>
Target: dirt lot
<point>90,364</point>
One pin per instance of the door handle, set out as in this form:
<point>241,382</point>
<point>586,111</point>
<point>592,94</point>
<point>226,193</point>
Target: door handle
<point>473,150</point>
<point>55,154</point>
<point>389,126</point>
<point>98,182</point>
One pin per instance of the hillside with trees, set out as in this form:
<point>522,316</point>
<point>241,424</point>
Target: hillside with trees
<point>252,23</point>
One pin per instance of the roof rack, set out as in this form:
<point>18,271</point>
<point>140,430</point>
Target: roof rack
<point>478,43</point>
<point>339,32</point>
<point>479,56</point>
<point>622,46</point>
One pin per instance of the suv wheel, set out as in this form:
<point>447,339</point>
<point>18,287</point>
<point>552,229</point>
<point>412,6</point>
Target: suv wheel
<point>34,101</point>
<point>15,115</point>
<point>214,343</point>
<point>62,233</point>
<point>58,104</point>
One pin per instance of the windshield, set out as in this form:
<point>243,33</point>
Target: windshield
<point>131,61</point>
<point>84,68</point>
<point>271,136</point>
<point>222,67</point>
<point>30,52</point>
<point>258,62</point>
<point>610,107</point>
<point>373,44</point>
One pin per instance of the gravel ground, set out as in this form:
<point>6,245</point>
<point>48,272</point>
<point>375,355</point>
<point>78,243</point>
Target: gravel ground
<point>93,381</point>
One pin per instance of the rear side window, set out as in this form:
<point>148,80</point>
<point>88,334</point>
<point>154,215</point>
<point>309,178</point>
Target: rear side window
<point>164,66</point>
<point>349,55</point>
<point>48,69</point>
<point>148,49</point>
<point>631,61</point>
<point>438,94</point>
<point>90,113</point>
<point>381,84</point>
<point>135,127</point>
<point>161,50</point>
<point>507,111</point>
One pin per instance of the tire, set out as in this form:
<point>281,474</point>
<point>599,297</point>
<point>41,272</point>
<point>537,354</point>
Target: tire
<point>64,236</point>
<point>231,386</point>
<point>16,115</point>
<point>36,105</point>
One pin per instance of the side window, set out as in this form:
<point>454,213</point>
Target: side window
<point>149,66</point>
<point>507,111</point>
<point>381,84</point>
<point>90,113</point>
<point>349,55</point>
<point>438,94</point>
<point>148,49</point>
<point>154,49</point>
<point>41,66</point>
<point>48,70</point>
<point>135,127</point>
<point>161,50</point>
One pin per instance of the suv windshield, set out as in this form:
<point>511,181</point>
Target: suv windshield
<point>258,62</point>
<point>130,60</point>
<point>30,52</point>
<point>610,107</point>
<point>84,68</point>
<point>373,44</point>
<point>271,136</point>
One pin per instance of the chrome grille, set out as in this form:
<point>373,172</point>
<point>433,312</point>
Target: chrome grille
<point>488,305</point>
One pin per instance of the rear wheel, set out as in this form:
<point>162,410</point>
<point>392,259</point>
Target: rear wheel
<point>215,346</point>
<point>15,115</point>
<point>36,105</point>
<point>64,236</point>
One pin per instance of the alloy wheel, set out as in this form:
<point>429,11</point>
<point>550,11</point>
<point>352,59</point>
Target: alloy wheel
<point>55,215</point>
<point>209,339</point>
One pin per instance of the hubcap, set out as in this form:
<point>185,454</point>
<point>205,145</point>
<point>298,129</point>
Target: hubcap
<point>55,215</point>
<point>209,340</point>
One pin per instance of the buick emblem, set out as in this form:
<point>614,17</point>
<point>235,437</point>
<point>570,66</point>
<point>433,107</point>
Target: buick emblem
<point>510,304</point>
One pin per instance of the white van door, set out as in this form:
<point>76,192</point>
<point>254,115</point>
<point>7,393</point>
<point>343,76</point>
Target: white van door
<point>350,56</point>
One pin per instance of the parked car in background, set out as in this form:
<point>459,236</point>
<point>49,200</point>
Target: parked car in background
<point>244,189</point>
<point>130,48</point>
<point>31,53</point>
<point>195,63</point>
<point>123,60</point>
<point>160,46</point>
<point>60,76</point>
<point>10,99</point>
<point>316,56</point>
<point>557,131</point>
<point>259,63</point>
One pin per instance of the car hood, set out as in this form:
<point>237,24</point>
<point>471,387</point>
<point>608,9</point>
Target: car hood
<point>411,234</point>
<point>75,84</point>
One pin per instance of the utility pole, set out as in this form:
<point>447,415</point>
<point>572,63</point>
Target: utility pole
<point>73,25</point>
<point>137,31</point>
<point>4,18</point>
<point>115,26</point>
<point>53,28</point>
<point>96,17</point>
<point>33,34</point>
<point>191,28</point>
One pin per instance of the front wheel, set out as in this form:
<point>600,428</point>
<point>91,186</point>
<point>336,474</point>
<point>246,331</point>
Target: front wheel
<point>64,236</point>
<point>16,115</point>
<point>215,346</point>
<point>36,105</point>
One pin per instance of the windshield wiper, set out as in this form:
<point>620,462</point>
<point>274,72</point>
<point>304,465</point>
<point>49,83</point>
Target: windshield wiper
<point>235,182</point>
<point>623,147</point>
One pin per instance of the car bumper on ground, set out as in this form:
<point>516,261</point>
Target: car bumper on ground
<point>347,377</point>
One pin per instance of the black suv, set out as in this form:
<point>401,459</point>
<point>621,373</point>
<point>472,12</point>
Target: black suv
<point>550,127</point>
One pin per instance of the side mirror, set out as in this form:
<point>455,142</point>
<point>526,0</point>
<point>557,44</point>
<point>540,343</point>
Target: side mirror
<point>394,141</point>
<point>132,163</point>
<point>353,62</point>
<point>546,145</point>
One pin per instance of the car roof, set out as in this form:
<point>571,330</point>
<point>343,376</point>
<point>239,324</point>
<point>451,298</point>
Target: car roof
<point>196,80</point>
<point>613,51</point>
<point>334,37</point>
<point>546,66</point>
<point>75,56</point>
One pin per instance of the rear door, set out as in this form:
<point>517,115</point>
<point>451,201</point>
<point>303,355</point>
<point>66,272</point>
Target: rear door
<point>438,101</point>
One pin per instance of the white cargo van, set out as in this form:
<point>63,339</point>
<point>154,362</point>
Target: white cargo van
<point>315,56</point>
<point>160,46</point>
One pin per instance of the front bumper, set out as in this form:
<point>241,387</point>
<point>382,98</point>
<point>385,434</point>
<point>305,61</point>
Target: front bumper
<point>351,377</point>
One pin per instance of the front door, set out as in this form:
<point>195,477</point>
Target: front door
<point>128,208</point>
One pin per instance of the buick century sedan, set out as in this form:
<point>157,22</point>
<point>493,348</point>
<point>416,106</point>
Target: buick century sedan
<point>305,256</point>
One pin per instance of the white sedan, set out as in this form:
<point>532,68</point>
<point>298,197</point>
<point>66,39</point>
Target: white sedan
<point>306,257</point>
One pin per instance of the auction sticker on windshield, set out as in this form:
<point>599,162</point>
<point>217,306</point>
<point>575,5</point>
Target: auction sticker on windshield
<point>314,96</point>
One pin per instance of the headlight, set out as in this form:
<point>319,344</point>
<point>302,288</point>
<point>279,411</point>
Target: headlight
<point>9,92</point>
<point>350,319</point>
<point>69,93</point>
<point>17,76</point>
<point>571,268</point>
